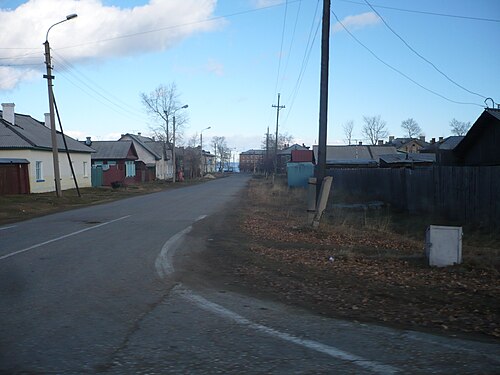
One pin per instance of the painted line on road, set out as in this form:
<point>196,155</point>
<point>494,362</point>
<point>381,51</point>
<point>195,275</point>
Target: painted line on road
<point>216,309</point>
<point>62,237</point>
<point>163,264</point>
<point>12,226</point>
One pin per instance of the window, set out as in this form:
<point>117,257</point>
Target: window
<point>129,169</point>
<point>85,171</point>
<point>39,171</point>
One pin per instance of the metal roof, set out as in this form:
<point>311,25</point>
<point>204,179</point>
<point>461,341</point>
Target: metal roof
<point>112,150</point>
<point>408,158</point>
<point>32,134</point>
<point>354,154</point>
<point>146,143</point>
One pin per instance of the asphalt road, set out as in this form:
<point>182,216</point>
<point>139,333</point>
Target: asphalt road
<point>95,290</point>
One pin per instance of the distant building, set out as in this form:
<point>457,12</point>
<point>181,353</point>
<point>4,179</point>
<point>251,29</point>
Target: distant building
<point>252,160</point>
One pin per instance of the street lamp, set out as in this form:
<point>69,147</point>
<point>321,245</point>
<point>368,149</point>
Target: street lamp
<point>173,141</point>
<point>201,152</point>
<point>50,77</point>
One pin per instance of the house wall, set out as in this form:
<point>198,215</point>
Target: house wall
<point>485,151</point>
<point>46,184</point>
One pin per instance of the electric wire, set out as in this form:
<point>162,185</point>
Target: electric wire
<point>101,98</point>
<point>420,56</point>
<point>397,70</point>
<point>427,13</point>
<point>305,60</point>
<point>118,102</point>
<point>281,48</point>
<point>291,45</point>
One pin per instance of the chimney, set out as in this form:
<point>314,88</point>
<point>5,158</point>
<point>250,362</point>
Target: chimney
<point>139,134</point>
<point>433,140</point>
<point>88,142</point>
<point>8,113</point>
<point>441,139</point>
<point>380,142</point>
<point>422,138</point>
<point>47,120</point>
<point>360,143</point>
<point>391,138</point>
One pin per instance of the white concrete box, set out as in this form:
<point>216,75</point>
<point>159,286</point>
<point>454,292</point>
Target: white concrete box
<point>443,245</point>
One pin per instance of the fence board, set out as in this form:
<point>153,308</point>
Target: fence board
<point>470,195</point>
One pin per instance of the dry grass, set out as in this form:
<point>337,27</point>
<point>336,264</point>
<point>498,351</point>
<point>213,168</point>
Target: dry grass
<point>368,264</point>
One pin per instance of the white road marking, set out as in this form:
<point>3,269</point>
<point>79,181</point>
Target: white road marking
<point>214,308</point>
<point>164,267</point>
<point>62,237</point>
<point>163,264</point>
<point>12,226</point>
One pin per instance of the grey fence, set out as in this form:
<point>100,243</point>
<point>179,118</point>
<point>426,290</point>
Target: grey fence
<point>470,195</point>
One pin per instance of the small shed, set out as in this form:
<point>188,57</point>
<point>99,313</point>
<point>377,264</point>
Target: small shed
<point>299,173</point>
<point>14,176</point>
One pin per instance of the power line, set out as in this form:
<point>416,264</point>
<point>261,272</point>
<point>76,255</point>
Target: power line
<point>305,60</point>
<point>121,108</point>
<point>397,70</point>
<point>420,56</point>
<point>427,13</point>
<point>291,44</point>
<point>281,46</point>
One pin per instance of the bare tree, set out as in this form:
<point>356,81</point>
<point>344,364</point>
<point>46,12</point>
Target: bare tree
<point>348,128</point>
<point>192,157</point>
<point>411,127</point>
<point>221,150</point>
<point>284,140</point>
<point>162,105</point>
<point>459,127</point>
<point>374,129</point>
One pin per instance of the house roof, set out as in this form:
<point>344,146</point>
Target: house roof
<point>288,150</point>
<point>355,154</point>
<point>448,143</point>
<point>28,133</point>
<point>410,158</point>
<point>253,152</point>
<point>400,142</point>
<point>489,117</point>
<point>147,143</point>
<point>113,150</point>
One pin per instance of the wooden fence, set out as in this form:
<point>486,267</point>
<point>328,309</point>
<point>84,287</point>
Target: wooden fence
<point>469,195</point>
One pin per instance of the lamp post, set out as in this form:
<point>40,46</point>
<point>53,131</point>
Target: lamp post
<point>173,142</point>
<point>53,133</point>
<point>202,164</point>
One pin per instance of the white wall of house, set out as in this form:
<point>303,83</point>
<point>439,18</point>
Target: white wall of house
<point>41,171</point>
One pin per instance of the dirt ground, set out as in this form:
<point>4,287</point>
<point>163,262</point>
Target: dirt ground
<point>356,266</point>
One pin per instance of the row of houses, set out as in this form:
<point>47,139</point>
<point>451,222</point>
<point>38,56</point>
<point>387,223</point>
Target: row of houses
<point>478,147</point>
<point>26,163</point>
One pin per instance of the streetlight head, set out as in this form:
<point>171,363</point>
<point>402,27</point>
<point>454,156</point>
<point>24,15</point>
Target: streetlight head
<point>185,106</point>
<point>209,127</point>
<point>71,16</point>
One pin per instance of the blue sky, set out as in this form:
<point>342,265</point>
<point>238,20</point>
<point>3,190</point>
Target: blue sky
<point>230,58</point>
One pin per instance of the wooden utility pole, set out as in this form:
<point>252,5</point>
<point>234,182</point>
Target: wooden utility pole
<point>323,101</point>
<point>278,108</point>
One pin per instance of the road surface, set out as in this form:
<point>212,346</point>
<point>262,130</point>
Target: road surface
<point>97,290</point>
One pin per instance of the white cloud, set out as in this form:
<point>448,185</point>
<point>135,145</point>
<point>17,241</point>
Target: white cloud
<point>98,32</point>
<point>357,22</point>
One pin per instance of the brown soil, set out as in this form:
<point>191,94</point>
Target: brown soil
<point>366,272</point>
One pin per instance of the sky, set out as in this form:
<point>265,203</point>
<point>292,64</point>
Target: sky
<point>430,60</point>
